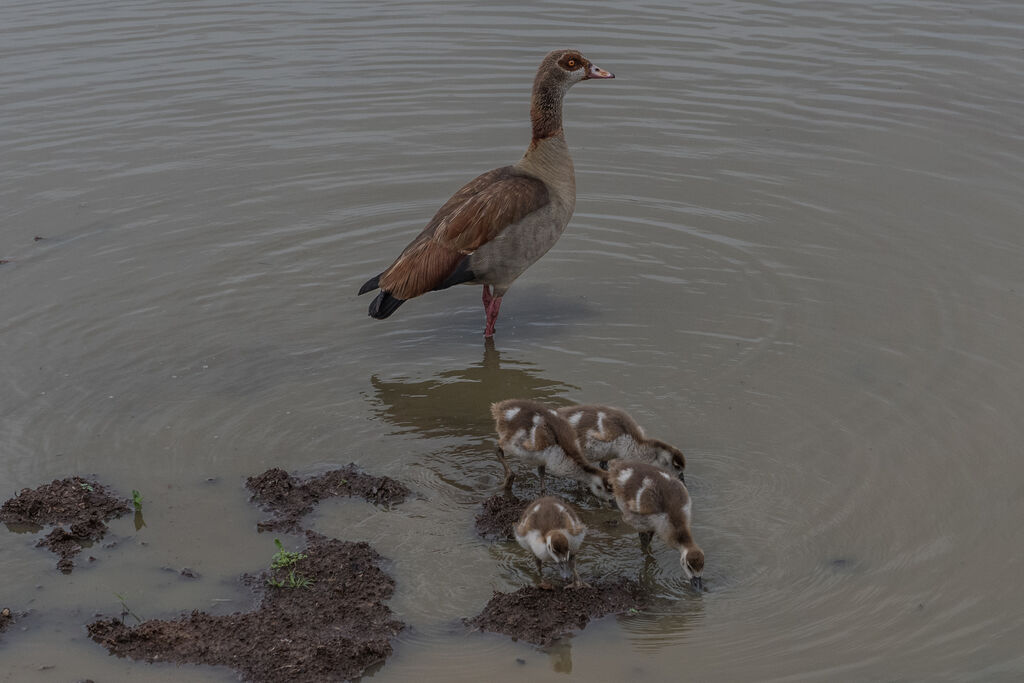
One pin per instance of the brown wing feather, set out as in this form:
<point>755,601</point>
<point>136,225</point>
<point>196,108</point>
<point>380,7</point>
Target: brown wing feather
<point>548,517</point>
<point>473,216</point>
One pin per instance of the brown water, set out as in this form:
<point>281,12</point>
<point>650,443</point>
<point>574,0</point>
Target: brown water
<point>797,254</point>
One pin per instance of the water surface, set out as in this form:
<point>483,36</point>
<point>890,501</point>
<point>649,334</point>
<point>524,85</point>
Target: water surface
<point>797,254</point>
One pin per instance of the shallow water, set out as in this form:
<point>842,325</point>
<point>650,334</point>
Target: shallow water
<point>797,254</point>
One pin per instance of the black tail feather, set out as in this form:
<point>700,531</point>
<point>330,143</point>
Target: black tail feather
<point>461,274</point>
<point>370,285</point>
<point>384,305</point>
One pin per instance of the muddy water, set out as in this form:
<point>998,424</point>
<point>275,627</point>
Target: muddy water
<point>797,254</point>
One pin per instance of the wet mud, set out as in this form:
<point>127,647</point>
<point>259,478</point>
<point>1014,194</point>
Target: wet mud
<point>542,617</point>
<point>498,516</point>
<point>290,498</point>
<point>330,624</point>
<point>321,612</point>
<point>83,506</point>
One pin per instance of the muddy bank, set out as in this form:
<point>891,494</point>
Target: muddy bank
<point>85,506</point>
<point>498,516</point>
<point>325,621</point>
<point>290,499</point>
<point>6,618</point>
<point>541,616</point>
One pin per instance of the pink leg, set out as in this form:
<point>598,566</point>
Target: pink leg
<point>493,306</point>
<point>487,297</point>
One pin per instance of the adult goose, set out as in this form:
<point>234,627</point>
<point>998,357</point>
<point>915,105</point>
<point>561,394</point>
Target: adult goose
<point>498,224</point>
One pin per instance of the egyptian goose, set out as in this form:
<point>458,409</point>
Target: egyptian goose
<point>652,501</point>
<point>605,433</point>
<point>535,433</point>
<point>497,225</point>
<point>552,530</point>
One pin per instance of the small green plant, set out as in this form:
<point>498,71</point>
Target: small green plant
<point>125,610</point>
<point>87,486</point>
<point>293,580</point>
<point>633,611</point>
<point>137,500</point>
<point>286,559</point>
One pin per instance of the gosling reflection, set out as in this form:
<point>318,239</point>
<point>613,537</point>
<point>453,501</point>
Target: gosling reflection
<point>457,402</point>
<point>662,624</point>
<point>560,656</point>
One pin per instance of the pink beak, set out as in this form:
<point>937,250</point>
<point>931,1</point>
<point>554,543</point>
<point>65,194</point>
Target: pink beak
<point>597,72</point>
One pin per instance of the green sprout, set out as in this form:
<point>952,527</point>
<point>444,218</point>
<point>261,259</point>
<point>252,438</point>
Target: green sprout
<point>285,559</point>
<point>137,500</point>
<point>293,581</point>
<point>125,610</point>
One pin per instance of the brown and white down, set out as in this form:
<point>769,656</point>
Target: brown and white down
<point>537,435</point>
<point>551,529</point>
<point>498,224</point>
<point>654,502</point>
<point>605,433</point>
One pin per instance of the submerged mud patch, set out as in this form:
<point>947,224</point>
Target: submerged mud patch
<point>332,626</point>
<point>499,515</point>
<point>84,505</point>
<point>542,616</point>
<point>290,498</point>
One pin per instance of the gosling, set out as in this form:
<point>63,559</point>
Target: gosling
<point>604,433</point>
<point>536,434</point>
<point>552,530</point>
<point>652,501</point>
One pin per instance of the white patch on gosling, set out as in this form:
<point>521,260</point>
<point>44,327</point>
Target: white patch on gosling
<point>537,419</point>
<point>624,476</point>
<point>511,412</point>
<point>647,483</point>
<point>533,437</point>
<point>561,508</point>
<point>575,418</point>
<point>666,475</point>
<point>600,422</point>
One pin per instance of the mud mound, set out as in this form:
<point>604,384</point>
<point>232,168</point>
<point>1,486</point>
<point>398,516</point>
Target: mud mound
<point>290,498</point>
<point>543,616</point>
<point>332,626</point>
<point>6,617</point>
<point>499,515</point>
<point>84,505</point>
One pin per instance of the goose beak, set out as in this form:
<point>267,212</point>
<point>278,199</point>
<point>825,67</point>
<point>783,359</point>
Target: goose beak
<point>697,583</point>
<point>595,71</point>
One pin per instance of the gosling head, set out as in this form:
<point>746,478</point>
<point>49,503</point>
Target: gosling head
<point>692,561</point>
<point>668,457</point>
<point>601,486</point>
<point>560,552</point>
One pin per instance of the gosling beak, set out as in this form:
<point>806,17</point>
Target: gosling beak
<point>682,477</point>
<point>697,583</point>
<point>564,571</point>
<point>596,72</point>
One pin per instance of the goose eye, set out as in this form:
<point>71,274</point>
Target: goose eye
<point>571,63</point>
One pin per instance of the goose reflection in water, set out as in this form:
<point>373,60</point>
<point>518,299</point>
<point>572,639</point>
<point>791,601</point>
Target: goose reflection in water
<point>456,403</point>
